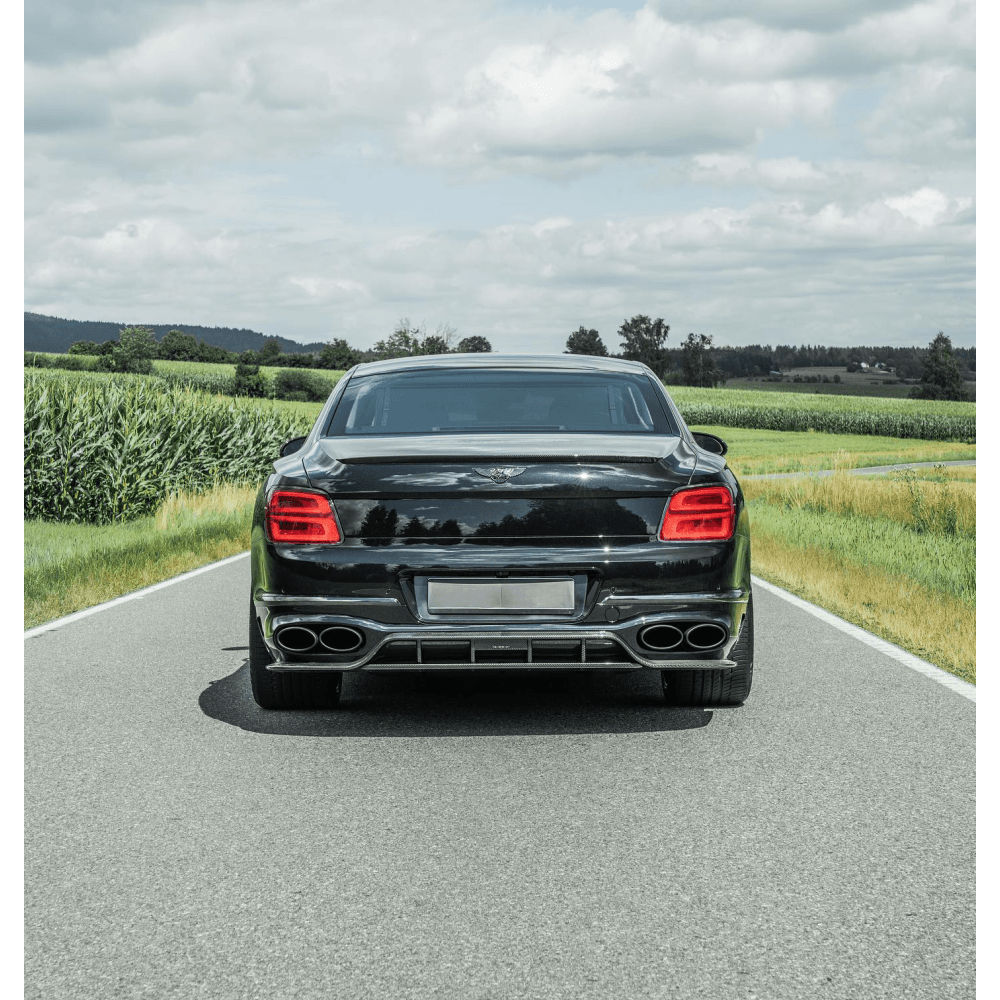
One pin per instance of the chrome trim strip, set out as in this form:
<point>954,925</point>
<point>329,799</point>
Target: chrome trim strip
<point>320,599</point>
<point>715,595</point>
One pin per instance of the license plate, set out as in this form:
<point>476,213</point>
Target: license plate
<point>499,596</point>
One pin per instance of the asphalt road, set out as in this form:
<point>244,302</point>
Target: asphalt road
<point>484,836</point>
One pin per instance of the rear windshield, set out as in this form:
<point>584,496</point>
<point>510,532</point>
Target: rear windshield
<point>464,401</point>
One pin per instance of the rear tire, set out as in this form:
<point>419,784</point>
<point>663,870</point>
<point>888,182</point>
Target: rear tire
<point>277,689</point>
<point>707,688</point>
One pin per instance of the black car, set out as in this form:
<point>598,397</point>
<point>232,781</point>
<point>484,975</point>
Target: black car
<point>500,512</point>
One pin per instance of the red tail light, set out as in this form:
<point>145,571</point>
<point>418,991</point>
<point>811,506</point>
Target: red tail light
<point>701,514</point>
<point>296,516</point>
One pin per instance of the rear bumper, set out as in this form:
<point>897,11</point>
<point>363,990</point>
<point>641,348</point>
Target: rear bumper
<point>629,587</point>
<point>526,646</point>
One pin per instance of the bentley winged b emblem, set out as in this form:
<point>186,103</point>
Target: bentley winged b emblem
<point>502,475</point>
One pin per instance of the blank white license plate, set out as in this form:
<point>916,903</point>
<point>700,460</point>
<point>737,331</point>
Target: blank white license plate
<point>456,597</point>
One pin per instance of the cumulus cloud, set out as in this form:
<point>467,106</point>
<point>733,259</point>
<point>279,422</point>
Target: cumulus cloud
<point>447,86</point>
<point>722,271</point>
<point>816,15</point>
<point>745,162</point>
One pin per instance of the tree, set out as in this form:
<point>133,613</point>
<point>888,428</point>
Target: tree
<point>178,346</point>
<point>84,347</point>
<point>218,355</point>
<point>302,384</point>
<point>248,380</point>
<point>697,362</point>
<point>644,339</point>
<point>942,378</point>
<point>337,354</point>
<point>134,352</point>
<point>586,341</point>
<point>433,345</point>
<point>403,342</point>
<point>438,342</point>
<point>474,345</point>
<point>296,361</point>
<point>269,352</point>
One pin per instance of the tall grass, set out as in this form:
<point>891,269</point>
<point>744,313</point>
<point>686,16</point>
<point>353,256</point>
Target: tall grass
<point>104,451</point>
<point>895,555</point>
<point>946,507</point>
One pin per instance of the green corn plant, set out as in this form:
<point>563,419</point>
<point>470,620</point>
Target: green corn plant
<point>111,450</point>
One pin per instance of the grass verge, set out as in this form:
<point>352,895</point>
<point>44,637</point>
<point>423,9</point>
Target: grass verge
<point>895,556</point>
<point>753,452</point>
<point>69,567</point>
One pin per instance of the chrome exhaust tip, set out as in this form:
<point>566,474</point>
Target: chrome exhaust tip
<point>706,635</point>
<point>661,637</point>
<point>341,639</point>
<point>295,639</point>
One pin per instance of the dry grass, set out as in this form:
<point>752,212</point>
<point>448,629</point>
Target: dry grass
<point>919,503</point>
<point>935,626</point>
<point>69,567</point>
<point>894,555</point>
<point>186,506</point>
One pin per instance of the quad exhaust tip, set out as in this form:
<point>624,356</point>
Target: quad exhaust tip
<point>707,635</point>
<point>700,636</point>
<point>332,639</point>
<point>296,639</point>
<point>661,637</point>
<point>340,639</point>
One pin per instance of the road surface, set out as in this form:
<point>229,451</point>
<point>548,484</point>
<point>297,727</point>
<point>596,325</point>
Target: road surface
<point>482,836</point>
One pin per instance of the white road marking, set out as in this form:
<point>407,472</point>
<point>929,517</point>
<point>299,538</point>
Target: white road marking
<point>59,622</point>
<point>964,688</point>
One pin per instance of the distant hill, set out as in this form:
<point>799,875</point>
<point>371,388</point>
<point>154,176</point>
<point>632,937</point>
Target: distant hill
<point>53,335</point>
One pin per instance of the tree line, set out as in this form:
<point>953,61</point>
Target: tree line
<point>940,367</point>
<point>405,341</point>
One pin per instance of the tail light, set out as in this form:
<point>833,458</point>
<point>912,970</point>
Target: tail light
<point>700,514</point>
<point>297,516</point>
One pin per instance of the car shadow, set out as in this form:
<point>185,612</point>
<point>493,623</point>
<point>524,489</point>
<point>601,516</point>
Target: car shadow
<point>464,703</point>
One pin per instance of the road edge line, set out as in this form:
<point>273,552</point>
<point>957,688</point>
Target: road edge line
<point>942,677</point>
<point>59,622</point>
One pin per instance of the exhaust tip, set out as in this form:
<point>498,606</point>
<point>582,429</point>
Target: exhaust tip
<point>707,635</point>
<point>341,639</point>
<point>661,637</point>
<point>296,639</point>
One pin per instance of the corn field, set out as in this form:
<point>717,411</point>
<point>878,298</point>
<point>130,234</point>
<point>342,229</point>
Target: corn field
<point>864,420</point>
<point>111,450</point>
<point>930,420</point>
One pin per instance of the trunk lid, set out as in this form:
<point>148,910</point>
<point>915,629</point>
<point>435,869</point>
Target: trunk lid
<point>499,488</point>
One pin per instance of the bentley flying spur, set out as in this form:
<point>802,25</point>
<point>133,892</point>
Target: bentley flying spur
<point>500,512</point>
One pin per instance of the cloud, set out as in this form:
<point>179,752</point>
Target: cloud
<point>734,273</point>
<point>814,15</point>
<point>449,86</point>
<point>736,168</point>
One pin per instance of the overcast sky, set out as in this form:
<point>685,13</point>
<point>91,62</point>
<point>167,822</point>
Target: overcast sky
<point>772,171</point>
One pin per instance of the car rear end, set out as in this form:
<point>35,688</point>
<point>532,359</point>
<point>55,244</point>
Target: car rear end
<point>531,514</point>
